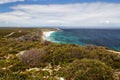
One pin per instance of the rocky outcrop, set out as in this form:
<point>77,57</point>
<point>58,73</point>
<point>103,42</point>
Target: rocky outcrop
<point>36,36</point>
<point>29,38</point>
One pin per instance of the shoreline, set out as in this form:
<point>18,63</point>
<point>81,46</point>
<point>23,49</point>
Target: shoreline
<point>47,33</point>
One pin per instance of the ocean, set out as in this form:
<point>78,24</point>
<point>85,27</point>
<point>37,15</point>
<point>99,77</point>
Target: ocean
<point>101,37</point>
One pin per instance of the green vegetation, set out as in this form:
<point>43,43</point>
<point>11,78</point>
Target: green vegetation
<point>18,31</point>
<point>49,61</point>
<point>33,57</point>
<point>87,69</point>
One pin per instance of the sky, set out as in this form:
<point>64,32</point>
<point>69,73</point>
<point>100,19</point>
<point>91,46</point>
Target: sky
<point>64,13</point>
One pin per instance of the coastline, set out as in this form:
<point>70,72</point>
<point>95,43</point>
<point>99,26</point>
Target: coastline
<point>47,33</point>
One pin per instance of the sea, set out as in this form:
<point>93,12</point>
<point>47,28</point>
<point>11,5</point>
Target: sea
<point>101,37</point>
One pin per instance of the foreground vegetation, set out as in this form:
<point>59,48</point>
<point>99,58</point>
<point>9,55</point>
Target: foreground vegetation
<point>48,61</point>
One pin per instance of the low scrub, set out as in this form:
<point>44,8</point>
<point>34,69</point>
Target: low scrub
<point>87,69</point>
<point>33,57</point>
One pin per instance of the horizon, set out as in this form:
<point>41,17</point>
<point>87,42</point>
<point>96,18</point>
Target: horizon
<point>64,13</point>
<point>61,27</point>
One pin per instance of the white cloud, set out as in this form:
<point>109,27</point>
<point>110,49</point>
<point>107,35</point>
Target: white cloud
<point>8,1</point>
<point>82,14</point>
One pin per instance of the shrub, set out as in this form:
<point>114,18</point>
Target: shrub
<point>90,47</point>
<point>9,75</point>
<point>18,66</point>
<point>33,57</point>
<point>87,69</point>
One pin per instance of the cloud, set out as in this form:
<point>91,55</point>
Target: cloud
<point>82,14</point>
<point>8,1</point>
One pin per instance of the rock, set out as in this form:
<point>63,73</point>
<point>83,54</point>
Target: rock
<point>36,36</point>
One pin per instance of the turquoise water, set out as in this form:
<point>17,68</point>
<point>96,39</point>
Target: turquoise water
<point>101,37</point>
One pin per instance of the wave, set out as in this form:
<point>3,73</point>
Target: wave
<point>50,36</point>
<point>46,34</point>
<point>107,38</point>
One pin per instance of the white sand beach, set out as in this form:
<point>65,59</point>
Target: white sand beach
<point>46,34</point>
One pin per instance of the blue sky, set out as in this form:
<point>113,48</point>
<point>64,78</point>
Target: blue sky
<point>79,13</point>
<point>5,6</point>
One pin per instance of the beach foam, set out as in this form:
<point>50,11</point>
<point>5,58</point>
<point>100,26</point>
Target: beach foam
<point>46,34</point>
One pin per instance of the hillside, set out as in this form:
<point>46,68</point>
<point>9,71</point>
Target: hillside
<point>25,56</point>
